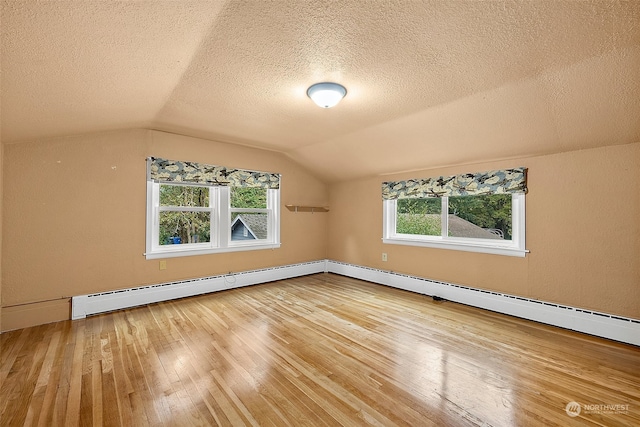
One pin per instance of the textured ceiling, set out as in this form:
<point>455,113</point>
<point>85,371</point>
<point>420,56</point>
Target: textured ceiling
<point>429,83</point>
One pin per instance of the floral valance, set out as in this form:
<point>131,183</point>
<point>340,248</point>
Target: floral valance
<point>492,182</point>
<point>163,170</point>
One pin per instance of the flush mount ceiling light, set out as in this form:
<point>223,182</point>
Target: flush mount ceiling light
<point>326,94</point>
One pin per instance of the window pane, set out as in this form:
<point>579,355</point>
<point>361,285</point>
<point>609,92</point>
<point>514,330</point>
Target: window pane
<point>480,217</point>
<point>184,195</point>
<point>419,216</point>
<point>249,226</point>
<point>184,227</point>
<point>242,197</point>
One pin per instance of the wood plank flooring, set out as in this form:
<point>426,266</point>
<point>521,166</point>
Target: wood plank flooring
<point>320,350</point>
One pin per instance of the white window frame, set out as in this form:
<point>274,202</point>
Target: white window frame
<point>514,247</point>
<point>220,210</point>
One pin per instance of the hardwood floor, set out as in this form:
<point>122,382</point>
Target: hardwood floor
<point>319,350</point>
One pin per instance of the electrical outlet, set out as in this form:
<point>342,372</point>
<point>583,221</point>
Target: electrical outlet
<point>163,264</point>
<point>384,256</point>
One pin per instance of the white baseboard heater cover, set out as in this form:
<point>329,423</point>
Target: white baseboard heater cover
<point>604,325</point>
<point>86,305</point>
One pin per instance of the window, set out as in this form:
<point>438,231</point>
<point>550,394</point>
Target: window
<point>489,223</point>
<point>191,218</point>
<point>463,212</point>
<point>249,214</point>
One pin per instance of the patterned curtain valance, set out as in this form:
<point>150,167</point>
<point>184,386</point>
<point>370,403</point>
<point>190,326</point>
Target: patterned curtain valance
<point>163,170</point>
<point>470,184</point>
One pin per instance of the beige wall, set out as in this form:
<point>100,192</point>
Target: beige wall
<point>1,198</point>
<point>73,215</point>
<point>583,231</point>
<point>74,218</point>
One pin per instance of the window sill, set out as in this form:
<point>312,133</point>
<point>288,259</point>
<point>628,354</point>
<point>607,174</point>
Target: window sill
<point>461,246</point>
<point>191,251</point>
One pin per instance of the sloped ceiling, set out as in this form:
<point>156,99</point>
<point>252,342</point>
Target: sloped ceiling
<point>430,83</point>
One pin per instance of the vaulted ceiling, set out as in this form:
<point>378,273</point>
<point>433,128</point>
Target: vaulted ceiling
<point>430,83</point>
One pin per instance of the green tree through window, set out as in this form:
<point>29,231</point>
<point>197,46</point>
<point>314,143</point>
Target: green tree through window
<point>419,216</point>
<point>248,197</point>
<point>422,216</point>
<point>491,212</point>
<point>184,226</point>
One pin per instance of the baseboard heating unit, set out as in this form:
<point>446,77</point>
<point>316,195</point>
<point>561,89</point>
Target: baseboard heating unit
<point>604,325</point>
<point>86,305</point>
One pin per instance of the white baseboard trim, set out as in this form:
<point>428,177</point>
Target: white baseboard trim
<point>604,325</point>
<point>86,305</point>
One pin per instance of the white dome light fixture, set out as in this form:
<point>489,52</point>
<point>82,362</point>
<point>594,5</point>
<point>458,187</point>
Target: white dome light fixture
<point>326,94</point>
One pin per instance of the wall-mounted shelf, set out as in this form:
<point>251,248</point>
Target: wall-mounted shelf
<point>312,209</point>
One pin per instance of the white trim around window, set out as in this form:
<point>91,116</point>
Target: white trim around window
<point>220,225</point>
<point>514,247</point>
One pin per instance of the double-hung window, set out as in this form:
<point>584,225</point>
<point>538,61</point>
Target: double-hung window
<point>195,209</point>
<point>483,212</point>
